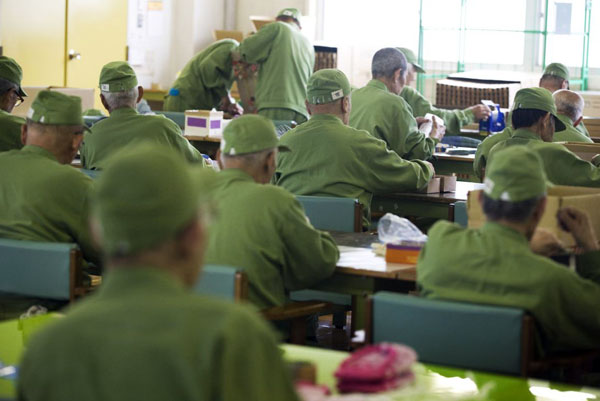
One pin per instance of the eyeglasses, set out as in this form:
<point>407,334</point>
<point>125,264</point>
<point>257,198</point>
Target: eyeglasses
<point>19,98</point>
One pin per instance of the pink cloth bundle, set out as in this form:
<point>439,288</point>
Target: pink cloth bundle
<point>375,368</point>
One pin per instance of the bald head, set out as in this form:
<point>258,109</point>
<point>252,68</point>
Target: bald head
<point>569,104</point>
<point>387,61</point>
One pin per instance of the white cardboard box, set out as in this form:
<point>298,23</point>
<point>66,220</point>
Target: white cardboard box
<point>204,123</point>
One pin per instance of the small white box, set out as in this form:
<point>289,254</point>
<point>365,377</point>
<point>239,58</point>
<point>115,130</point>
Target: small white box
<point>204,123</point>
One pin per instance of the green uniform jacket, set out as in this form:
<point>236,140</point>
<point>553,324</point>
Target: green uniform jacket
<point>483,150</point>
<point>453,119</point>
<point>144,337</point>
<point>286,59</point>
<point>328,158</point>
<point>570,134</point>
<point>10,131</point>
<point>388,117</point>
<point>126,126</point>
<point>263,230</point>
<point>562,166</point>
<point>42,200</point>
<point>581,128</point>
<point>494,265</point>
<point>205,79</point>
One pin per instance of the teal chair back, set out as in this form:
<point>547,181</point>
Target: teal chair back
<point>175,116</point>
<point>38,269</point>
<point>460,213</point>
<point>222,281</point>
<point>332,213</point>
<point>91,120</point>
<point>465,335</point>
<point>93,174</point>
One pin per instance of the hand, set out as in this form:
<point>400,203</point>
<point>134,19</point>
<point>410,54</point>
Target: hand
<point>480,111</point>
<point>421,120</point>
<point>235,109</point>
<point>437,131</point>
<point>579,224</point>
<point>546,243</point>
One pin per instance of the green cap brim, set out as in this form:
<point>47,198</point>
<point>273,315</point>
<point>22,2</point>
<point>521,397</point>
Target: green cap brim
<point>418,68</point>
<point>283,148</point>
<point>22,93</point>
<point>558,125</point>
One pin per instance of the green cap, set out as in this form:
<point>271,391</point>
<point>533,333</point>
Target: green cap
<point>249,134</point>
<point>538,99</point>
<point>117,76</point>
<point>557,69</point>
<point>290,12</point>
<point>411,58</point>
<point>12,72</point>
<point>515,174</point>
<point>326,86</point>
<point>55,108</point>
<point>145,196</point>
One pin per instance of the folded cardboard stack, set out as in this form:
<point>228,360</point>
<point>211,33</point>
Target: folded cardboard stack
<point>454,94</point>
<point>325,57</point>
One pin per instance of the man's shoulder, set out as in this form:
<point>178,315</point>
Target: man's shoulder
<point>11,121</point>
<point>444,228</point>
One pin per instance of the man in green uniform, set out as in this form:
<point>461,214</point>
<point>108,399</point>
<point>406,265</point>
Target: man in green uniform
<point>286,60</point>
<point>143,334</point>
<point>483,149</point>
<point>569,106</point>
<point>495,265</point>
<point>379,110</point>
<point>556,77</point>
<point>329,158</point>
<point>534,118</point>
<point>43,197</point>
<point>262,228</point>
<point>205,81</point>
<point>119,94</point>
<point>11,95</point>
<point>453,119</point>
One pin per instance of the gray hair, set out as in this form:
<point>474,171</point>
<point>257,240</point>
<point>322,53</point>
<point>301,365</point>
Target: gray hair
<point>117,100</point>
<point>569,103</point>
<point>387,61</point>
<point>247,159</point>
<point>6,85</point>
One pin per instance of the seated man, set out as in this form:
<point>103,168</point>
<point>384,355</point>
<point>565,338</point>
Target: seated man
<point>569,106</point>
<point>379,110</point>
<point>143,335</point>
<point>11,95</point>
<point>262,228</point>
<point>119,94</point>
<point>43,197</point>
<point>534,117</point>
<point>494,264</point>
<point>453,119</point>
<point>205,81</point>
<point>329,158</point>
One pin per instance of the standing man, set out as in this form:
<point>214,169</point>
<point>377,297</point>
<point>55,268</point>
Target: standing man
<point>143,334</point>
<point>120,94</point>
<point>377,109</point>
<point>11,95</point>
<point>495,264</point>
<point>262,228</point>
<point>286,60</point>
<point>569,106</point>
<point>205,81</point>
<point>453,119</point>
<point>556,77</point>
<point>43,198</point>
<point>329,158</point>
<point>534,119</point>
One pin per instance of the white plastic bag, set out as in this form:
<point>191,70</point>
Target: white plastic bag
<point>396,230</point>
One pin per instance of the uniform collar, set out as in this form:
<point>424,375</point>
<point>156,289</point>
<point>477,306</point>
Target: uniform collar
<point>375,83</point>
<point>38,150</point>
<point>525,133</point>
<point>121,281</point>
<point>507,234</point>
<point>123,111</point>
<point>4,112</point>
<point>566,121</point>
<point>235,174</point>
<point>325,117</point>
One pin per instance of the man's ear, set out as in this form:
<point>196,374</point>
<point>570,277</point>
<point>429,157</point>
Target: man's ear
<point>24,134</point>
<point>140,95</point>
<point>308,107</point>
<point>346,106</point>
<point>76,142</point>
<point>578,121</point>
<point>104,102</point>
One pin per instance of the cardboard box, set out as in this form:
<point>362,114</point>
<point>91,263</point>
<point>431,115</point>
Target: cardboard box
<point>406,254</point>
<point>586,151</point>
<point>204,123</point>
<point>586,199</point>
<point>220,34</point>
<point>447,183</point>
<point>258,21</point>
<point>451,94</point>
<point>433,186</point>
<point>86,95</point>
